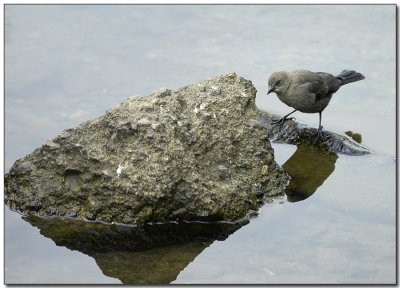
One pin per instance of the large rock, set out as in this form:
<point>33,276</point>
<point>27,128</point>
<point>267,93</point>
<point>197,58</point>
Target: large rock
<point>196,153</point>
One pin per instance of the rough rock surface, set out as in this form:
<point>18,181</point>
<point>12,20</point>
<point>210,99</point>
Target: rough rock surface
<point>195,153</point>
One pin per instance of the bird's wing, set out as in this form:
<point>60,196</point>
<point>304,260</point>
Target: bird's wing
<point>331,81</point>
<point>312,82</point>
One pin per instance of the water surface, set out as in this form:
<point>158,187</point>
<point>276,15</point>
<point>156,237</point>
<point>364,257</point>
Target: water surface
<point>343,234</point>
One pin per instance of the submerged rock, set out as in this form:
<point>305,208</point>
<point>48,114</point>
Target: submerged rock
<point>293,132</point>
<point>195,153</point>
<point>355,136</point>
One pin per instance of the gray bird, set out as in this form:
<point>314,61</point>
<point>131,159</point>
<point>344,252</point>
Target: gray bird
<point>308,92</point>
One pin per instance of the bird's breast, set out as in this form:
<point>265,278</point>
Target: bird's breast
<point>305,104</point>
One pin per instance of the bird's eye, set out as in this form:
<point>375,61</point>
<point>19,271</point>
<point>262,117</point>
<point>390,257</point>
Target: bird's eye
<point>278,82</point>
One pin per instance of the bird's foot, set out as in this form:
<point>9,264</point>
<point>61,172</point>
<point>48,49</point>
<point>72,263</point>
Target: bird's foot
<point>281,121</point>
<point>320,135</point>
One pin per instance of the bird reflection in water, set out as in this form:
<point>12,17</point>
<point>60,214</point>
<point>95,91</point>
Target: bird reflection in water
<point>308,167</point>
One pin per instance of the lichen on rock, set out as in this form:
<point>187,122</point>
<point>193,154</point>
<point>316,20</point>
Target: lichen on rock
<point>195,153</point>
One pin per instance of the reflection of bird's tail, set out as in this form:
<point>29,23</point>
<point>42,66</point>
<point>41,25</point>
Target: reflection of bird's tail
<point>349,76</point>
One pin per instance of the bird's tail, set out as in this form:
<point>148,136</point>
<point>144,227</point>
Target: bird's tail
<point>349,76</point>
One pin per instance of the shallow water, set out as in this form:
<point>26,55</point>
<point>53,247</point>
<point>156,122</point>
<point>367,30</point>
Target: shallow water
<point>339,235</point>
<point>68,64</point>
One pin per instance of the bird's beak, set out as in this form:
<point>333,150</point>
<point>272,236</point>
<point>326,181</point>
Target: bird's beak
<point>272,89</point>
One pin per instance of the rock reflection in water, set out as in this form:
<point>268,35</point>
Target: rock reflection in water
<point>308,167</point>
<point>148,254</point>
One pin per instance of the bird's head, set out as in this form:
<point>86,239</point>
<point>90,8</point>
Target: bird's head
<point>278,82</point>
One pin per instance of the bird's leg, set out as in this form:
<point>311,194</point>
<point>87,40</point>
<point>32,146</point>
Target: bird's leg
<point>284,118</point>
<point>319,132</point>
